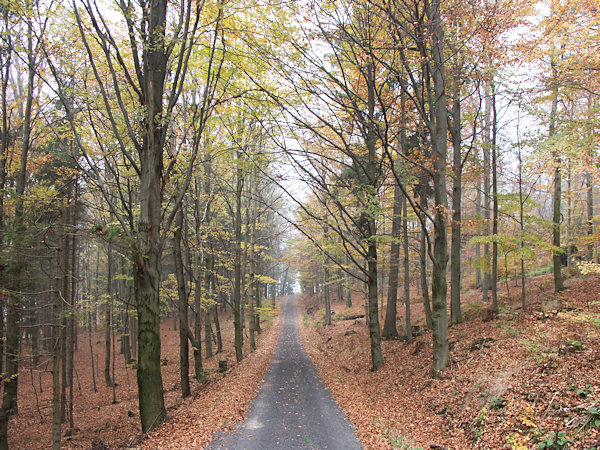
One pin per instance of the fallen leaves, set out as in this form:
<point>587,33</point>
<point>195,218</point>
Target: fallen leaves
<point>511,389</point>
<point>99,423</point>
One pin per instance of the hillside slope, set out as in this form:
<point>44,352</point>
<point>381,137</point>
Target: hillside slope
<point>520,381</point>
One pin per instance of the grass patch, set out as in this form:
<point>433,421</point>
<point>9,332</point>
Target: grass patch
<point>540,270</point>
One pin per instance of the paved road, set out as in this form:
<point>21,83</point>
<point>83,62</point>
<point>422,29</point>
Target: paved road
<point>292,410</point>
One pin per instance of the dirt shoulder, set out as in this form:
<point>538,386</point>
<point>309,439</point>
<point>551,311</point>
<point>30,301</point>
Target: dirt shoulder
<point>528,378</point>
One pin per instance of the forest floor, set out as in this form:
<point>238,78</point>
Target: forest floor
<point>527,379</point>
<point>217,404</point>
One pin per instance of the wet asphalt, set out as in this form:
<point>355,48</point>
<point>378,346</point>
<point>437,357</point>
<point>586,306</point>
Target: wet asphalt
<point>292,410</point>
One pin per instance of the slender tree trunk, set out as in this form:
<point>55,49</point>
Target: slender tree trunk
<point>556,213</point>
<point>56,357</point>
<point>70,319</point>
<point>486,197</point>
<point>569,215</point>
<point>455,252</point>
<point>521,215</point>
<point>371,229</point>
<point>207,326</point>
<point>348,287</point>
<point>424,284</point>
<point>218,330</point>
<point>493,149</point>
<point>184,363</point>
<point>198,369</point>
<point>326,290</point>
<point>409,336</point>
<point>5,59</point>
<point>590,215</point>
<point>389,326</point>
<point>237,289</point>
<point>107,317</point>
<point>252,283</point>
<point>478,282</point>
<point>92,352</point>
<point>13,313</point>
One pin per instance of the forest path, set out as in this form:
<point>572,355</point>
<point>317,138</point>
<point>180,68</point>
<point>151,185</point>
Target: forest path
<point>293,409</point>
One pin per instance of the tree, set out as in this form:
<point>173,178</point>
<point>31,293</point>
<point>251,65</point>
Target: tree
<point>154,55</point>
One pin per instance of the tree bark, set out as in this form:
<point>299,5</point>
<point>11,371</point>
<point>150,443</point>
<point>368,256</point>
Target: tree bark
<point>455,251</point>
<point>590,215</point>
<point>409,336</point>
<point>390,330</point>
<point>423,279</point>
<point>184,363</point>
<point>149,249</point>
<point>493,149</point>
<point>486,197</point>
<point>521,215</point>
<point>208,351</point>
<point>371,226</point>
<point>57,337</point>
<point>107,317</point>
<point>237,286</point>
<point>556,212</point>
<point>199,373</point>
<point>13,314</point>
<point>440,246</point>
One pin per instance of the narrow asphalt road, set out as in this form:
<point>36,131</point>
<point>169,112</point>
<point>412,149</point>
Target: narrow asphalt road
<point>292,410</point>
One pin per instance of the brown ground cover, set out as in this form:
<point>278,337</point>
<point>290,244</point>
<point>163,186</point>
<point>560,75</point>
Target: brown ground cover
<point>221,401</point>
<point>531,373</point>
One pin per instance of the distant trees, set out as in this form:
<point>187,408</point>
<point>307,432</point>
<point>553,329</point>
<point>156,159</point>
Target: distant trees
<point>149,158</point>
<point>115,171</point>
<point>435,77</point>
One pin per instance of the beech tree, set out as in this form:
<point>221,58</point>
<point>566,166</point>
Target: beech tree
<point>160,45</point>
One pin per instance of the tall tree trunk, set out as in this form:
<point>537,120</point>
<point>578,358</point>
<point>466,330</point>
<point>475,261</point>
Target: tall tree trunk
<point>199,372</point>
<point>493,149</point>
<point>371,228</point>
<point>521,213</point>
<point>478,282</point>
<point>237,286</point>
<point>148,252</point>
<point>569,214</point>
<point>56,357</point>
<point>486,196</point>
<point>326,287</point>
<point>184,363</point>
<point>440,243</point>
<point>209,262</point>
<point>5,60</point>
<point>107,317</point>
<point>423,279</point>
<point>252,284</point>
<point>409,336</point>
<point>92,352</point>
<point>590,215</point>
<point>390,330</point>
<point>348,287</point>
<point>13,313</point>
<point>455,253</point>
<point>218,328</point>
<point>556,212</point>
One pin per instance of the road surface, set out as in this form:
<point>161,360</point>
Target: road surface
<point>292,410</point>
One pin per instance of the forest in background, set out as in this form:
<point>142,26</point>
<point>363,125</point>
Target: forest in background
<point>195,159</point>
